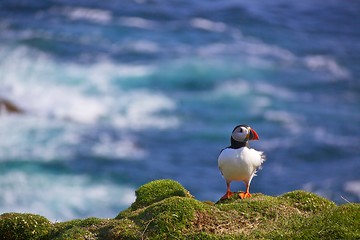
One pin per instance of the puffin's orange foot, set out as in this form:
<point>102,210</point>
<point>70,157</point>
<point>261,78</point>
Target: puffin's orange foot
<point>243,195</point>
<point>227,195</point>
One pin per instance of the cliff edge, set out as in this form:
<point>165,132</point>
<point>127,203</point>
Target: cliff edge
<point>164,209</point>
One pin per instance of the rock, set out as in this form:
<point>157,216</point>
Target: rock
<point>156,191</point>
<point>164,209</point>
<point>8,107</point>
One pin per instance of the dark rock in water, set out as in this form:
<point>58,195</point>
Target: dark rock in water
<point>8,107</point>
<point>164,209</point>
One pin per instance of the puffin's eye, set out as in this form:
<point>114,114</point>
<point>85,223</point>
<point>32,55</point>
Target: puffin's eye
<point>241,130</point>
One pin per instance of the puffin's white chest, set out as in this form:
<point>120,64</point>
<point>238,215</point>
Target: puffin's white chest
<point>239,164</point>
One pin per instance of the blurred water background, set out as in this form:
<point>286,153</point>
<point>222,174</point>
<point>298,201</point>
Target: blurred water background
<point>119,93</point>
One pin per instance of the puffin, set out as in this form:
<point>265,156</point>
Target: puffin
<point>239,162</point>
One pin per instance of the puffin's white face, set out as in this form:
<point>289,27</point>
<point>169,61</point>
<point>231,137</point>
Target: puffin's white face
<point>240,134</point>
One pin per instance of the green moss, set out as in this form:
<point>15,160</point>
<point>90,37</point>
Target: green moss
<point>210,236</point>
<point>170,217</point>
<point>125,229</point>
<point>74,229</point>
<point>259,203</point>
<point>75,233</point>
<point>156,191</point>
<point>17,226</point>
<point>306,201</point>
<point>165,210</point>
<point>342,222</point>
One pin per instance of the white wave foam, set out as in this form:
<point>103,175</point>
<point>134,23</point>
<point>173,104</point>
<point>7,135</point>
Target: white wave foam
<point>275,91</point>
<point>62,197</point>
<point>254,49</point>
<point>259,48</point>
<point>241,87</point>
<point>84,94</point>
<point>213,49</point>
<point>335,138</point>
<point>137,22</point>
<point>102,75</point>
<point>205,24</point>
<point>139,110</point>
<point>353,187</point>
<point>279,116</point>
<point>121,149</point>
<point>233,88</point>
<point>64,101</point>
<point>251,46</point>
<point>323,63</point>
<point>90,14</point>
<point>33,138</point>
<point>288,120</point>
<point>144,46</point>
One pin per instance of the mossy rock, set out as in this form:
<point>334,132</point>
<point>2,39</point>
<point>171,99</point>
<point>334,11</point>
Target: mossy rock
<point>124,229</point>
<point>165,210</point>
<point>75,233</point>
<point>342,222</point>
<point>78,229</point>
<point>171,217</point>
<point>156,191</point>
<point>17,226</point>
<point>306,201</point>
<point>259,207</point>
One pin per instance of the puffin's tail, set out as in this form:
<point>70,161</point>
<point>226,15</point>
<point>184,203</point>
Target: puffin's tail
<point>262,159</point>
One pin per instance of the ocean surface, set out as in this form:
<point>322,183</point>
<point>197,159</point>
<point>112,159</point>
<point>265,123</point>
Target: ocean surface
<point>120,93</point>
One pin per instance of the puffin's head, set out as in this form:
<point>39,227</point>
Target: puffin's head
<point>244,133</point>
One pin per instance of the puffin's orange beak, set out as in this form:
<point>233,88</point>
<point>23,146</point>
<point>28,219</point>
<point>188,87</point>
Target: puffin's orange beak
<point>253,135</point>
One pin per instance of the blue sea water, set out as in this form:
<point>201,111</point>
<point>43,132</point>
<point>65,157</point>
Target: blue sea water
<point>119,93</point>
